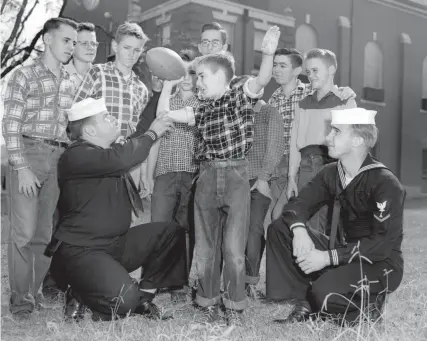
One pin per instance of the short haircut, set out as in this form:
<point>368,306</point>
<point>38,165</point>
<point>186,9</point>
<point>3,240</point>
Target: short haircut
<point>369,133</point>
<point>75,128</point>
<point>86,26</point>
<point>294,55</point>
<point>216,27</point>
<point>130,29</point>
<point>239,80</point>
<point>54,23</point>
<point>216,61</point>
<point>327,56</point>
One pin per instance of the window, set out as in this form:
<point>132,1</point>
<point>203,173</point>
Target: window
<point>305,38</point>
<point>229,27</point>
<point>258,37</point>
<point>164,37</point>
<point>424,86</point>
<point>373,89</point>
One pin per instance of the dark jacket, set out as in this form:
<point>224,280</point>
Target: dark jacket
<point>94,205</point>
<point>371,210</point>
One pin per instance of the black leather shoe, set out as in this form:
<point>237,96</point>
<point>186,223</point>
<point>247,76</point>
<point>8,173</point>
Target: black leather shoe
<point>300,313</point>
<point>376,309</point>
<point>149,310</point>
<point>74,308</point>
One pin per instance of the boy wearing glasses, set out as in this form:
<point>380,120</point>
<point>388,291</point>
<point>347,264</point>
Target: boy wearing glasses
<point>213,39</point>
<point>84,53</point>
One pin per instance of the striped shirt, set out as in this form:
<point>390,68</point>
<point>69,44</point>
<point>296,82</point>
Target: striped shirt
<point>178,147</point>
<point>286,107</point>
<point>125,98</point>
<point>34,104</point>
<point>75,77</point>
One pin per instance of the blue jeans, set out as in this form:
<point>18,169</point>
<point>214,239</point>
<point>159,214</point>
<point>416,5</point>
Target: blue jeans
<point>222,222</point>
<point>31,225</point>
<point>310,165</point>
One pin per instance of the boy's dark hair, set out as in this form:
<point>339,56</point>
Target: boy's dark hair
<point>216,27</point>
<point>294,55</point>
<point>55,23</point>
<point>86,26</point>
<point>216,61</point>
<point>326,55</point>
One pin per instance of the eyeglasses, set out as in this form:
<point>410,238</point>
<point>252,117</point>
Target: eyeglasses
<point>215,43</point>
<point>87,44</point>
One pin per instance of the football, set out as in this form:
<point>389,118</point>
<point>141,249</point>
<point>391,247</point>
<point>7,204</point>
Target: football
<point>165,63</point>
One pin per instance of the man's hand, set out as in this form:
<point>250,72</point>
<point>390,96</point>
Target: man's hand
<point>28,183</point>
<point>262,187</point>
<point>161,125</point>
<point>271,40</point>
<point>313,261</point>
<point>292,189</point>
<point>345,93</point>
<point>302,242</point>
<point>156,84</point>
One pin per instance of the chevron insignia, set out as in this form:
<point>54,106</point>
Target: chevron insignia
<point>380,218</point>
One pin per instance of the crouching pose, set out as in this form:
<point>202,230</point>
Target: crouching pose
<point>93,247</point>
<point>320,272</point>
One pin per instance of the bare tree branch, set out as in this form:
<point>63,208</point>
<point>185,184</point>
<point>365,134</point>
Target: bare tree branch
<point>18,35</point>
<point>28,49</point>
<point>12,36</point>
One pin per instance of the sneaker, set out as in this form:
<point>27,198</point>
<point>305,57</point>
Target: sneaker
<point>234,317</point>
<point>149,310</point>
<point>209,314</point>
<point>74,309</point>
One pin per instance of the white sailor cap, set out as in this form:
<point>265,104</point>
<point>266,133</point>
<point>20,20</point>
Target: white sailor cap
<point>353,116</point>
<point>85,108</point>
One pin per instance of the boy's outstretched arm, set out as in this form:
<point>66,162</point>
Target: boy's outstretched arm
<point>269,47</point>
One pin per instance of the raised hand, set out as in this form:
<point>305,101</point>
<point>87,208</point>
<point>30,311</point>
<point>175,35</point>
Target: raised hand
<point>271,40</point>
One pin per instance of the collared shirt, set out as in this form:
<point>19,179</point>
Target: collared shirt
<point>286,107</point>
<point>178,147</point>
<point>226,125</point>
<point>75,77</point>
<point>34,104</point>
<point>125,99</point>
<point>269,143</point>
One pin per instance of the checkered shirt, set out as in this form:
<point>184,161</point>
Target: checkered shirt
<point>226,126</point>
<point>125,99</point>
<point>34,104</point>
<point>75,77</point>
<point>178,147</point>
<point>286,107</point>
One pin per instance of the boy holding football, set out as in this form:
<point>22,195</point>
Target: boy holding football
<point>225,123</point>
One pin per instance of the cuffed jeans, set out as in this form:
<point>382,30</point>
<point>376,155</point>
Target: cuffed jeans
<point>31,225</point>
<point>221,219</point>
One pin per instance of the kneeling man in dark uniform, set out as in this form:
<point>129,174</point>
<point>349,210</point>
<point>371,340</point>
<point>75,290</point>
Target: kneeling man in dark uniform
<point>320,273</point>
<point>94,248</point>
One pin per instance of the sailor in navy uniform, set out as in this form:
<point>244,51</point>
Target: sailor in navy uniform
<point>321,273</point>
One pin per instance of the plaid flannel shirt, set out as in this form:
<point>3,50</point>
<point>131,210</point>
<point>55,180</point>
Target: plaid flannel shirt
<point>286,107</point>
<point>34,104</point>
<point>125,99</point>
<point>226,125</point>
<point>75,77</point>
<point>269,143</point>
<point>178,147</point>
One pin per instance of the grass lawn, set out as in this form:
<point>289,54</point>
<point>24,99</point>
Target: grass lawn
<point>405,315</point>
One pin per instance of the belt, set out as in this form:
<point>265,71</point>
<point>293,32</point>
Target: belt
<point>224,163</point>
<point>47,141</point>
